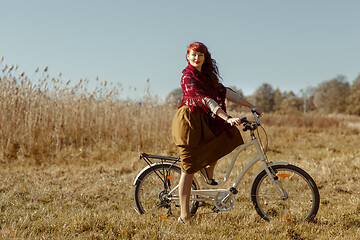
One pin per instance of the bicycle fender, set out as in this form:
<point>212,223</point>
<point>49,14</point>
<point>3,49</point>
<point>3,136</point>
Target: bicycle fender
<point>149,166</point>
<point>262,169</point>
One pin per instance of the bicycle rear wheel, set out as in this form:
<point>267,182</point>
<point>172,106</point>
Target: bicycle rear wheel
<point>154,191</point>
<point>300,204</point>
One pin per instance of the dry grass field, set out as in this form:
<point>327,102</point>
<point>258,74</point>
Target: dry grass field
<point>67,164</point>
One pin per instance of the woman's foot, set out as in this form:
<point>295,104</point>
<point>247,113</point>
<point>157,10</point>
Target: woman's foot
<point>213,182</point>
<point>180,220</point>
<point>209,181</point>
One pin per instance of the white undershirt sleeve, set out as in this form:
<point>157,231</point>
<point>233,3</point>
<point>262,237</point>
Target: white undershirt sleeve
<point>212,105</point>
<point>230,95</point>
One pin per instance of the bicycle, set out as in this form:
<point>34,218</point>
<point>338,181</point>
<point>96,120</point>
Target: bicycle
<point>279,191</point>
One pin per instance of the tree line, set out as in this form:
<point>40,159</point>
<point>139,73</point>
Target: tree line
<point>332,96</point>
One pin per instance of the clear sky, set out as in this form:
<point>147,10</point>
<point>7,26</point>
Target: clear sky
<point>286,43</point>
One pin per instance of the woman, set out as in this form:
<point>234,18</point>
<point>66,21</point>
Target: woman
<point>201,128</point>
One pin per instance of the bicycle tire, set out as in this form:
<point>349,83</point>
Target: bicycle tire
<point>303,199</point>
<point>151,191</point>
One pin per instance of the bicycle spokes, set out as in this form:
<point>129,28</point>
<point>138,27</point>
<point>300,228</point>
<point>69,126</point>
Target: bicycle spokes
<point>299,200</point>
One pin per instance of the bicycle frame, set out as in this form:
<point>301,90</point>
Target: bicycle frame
<point>212,191</point>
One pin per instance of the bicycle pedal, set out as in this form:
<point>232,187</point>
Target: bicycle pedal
<point>202,204</point>
<point>215,210</point>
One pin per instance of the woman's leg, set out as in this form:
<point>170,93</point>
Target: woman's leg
<point>210,170</point>
<point>184,195</point>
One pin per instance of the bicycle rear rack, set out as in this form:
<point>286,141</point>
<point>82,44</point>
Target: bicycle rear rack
<point>147,158</point>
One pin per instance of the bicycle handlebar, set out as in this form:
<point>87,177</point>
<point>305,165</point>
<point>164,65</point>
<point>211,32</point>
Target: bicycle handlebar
<point>251,125</point>
<point>257,117</point>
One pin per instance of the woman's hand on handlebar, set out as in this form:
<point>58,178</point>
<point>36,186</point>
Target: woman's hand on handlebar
<point>233,121</point>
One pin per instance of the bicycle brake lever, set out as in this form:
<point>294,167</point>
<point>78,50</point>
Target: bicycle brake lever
<point>243,120</point>
<point>257,117</point>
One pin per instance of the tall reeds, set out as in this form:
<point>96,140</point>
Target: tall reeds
<point>47,118</point>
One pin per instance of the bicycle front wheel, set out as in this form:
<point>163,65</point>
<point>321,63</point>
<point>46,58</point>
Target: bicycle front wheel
<point>299,200</point>
<point>156,191</point>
